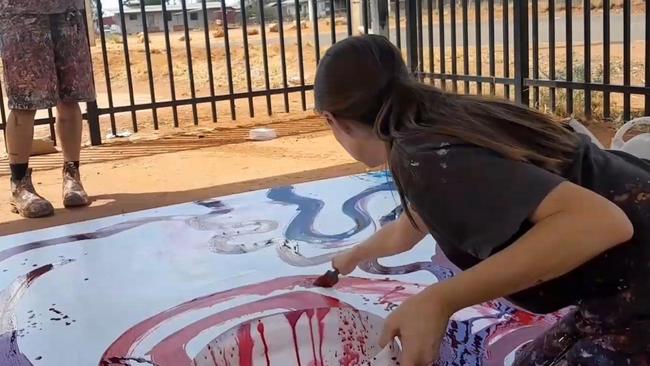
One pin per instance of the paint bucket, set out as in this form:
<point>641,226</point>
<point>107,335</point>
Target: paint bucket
<point>262,134</point>
<point>638,145</point>
<point>314,337</point>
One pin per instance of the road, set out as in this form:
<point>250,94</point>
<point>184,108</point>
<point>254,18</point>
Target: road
<point>616,32</point>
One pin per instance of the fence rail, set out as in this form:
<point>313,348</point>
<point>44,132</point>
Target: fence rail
<point>166,65</point>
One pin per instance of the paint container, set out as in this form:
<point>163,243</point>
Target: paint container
<point>262,134</point>
<point>638,145</point>
<point>314,337</point>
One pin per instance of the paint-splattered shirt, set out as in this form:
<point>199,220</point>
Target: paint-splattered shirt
<point>12,7</point>
<point>475,203</point>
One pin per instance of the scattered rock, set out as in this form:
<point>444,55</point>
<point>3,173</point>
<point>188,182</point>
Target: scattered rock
<point>303,25</point>
<point>337,21</point>
<point>274,28</point>
<point>253,31</point>
<point>218,33</point>
<point>182,39</point>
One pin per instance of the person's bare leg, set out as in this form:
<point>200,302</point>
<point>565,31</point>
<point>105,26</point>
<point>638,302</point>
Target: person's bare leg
<point>69,128</point>
<point>20,133</point>
<point>24,199</point>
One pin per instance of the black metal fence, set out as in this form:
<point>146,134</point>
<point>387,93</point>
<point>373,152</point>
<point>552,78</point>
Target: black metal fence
<point>165,65</point>
<point>590,59</point>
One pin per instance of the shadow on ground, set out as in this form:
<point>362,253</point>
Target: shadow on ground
<point>116,204</point>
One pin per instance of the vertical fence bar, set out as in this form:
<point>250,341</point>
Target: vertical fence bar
<point>551,51</point>
<point>441,31</point>
<point>454,56</point>
<point>147,54</point>
<point>127,64</point>
<point>627,57</point>
<point>107,71</point>
<point>247,59</point>
<point>647,57</point>
<point>190,66</point>
<point>464,5</point>
<point>348,9</point>
<point>283,56</point>
<point>587,62</point>
<point>364,12</point>
<point>420,33</point>
<point>606,58</point>
<point>479,48</point>
<point>314,7</point>
<point>521,51</point>
<point>398,25</point>
<point>50,122</point>
<point>506,47</point>
<point>569,55</point>
<point>93,124</point>
<point>432,66</point>
<point>332,21</point>
<point>411,35</point>
<point>535,20</point>
<point>265,56</point>
<point>3,115</point>
<point>301,64</point>
<point>492,50</point>
<point>170,63</point>
<point>208,53</point>
<point>226,39</point>
<point>453,45</point>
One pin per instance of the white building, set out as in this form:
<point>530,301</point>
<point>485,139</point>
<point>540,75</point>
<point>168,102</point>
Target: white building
<point>174,17</point>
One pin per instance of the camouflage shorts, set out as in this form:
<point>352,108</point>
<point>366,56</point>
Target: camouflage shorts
<point>46,60</point>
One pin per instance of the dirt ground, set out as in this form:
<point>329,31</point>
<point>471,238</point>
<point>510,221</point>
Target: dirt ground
<point>131,176</point>
<point>189,165</point>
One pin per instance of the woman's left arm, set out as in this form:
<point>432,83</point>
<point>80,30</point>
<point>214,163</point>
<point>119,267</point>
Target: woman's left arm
<point>571,226</point>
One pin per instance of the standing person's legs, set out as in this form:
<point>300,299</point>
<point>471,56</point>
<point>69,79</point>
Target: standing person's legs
<point>31,82</point>
<point>76,84</point>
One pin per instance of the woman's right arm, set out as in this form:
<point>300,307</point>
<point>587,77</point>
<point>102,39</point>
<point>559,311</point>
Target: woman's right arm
<point>397,237</point>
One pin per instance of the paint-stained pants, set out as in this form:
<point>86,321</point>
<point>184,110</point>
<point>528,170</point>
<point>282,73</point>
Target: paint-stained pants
<point>604,332</point>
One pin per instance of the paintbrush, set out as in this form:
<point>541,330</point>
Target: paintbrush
<point>328,280</point>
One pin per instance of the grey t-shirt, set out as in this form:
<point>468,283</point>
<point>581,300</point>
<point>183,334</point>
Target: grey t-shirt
<point>17,7</point>
<point>476,202</point>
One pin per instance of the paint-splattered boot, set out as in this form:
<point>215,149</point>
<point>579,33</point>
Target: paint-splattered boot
<point>74,194</point>
<point>26,202</point>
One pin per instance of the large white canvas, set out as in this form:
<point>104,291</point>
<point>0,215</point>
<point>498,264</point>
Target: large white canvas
<point>159,286</point>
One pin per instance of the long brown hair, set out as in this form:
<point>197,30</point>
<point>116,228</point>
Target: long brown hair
<point>365,79</point>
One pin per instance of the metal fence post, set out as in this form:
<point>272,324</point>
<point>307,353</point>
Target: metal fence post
<point>379,17</point>
<point>93,123</point>
<point>522,92</point>
<point>412,35</point>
